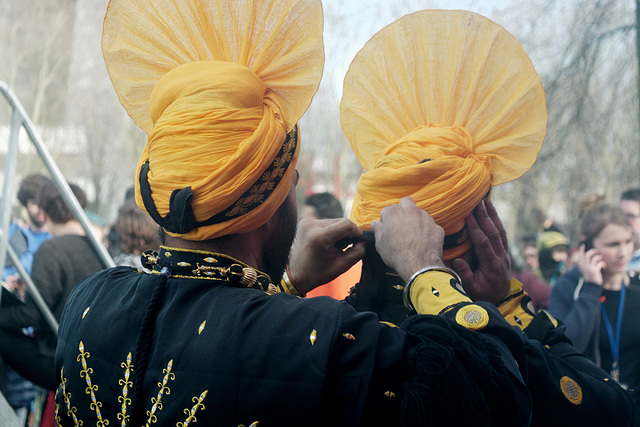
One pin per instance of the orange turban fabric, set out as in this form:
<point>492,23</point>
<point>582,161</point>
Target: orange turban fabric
<point>440,106</point>
<point>218,86</point>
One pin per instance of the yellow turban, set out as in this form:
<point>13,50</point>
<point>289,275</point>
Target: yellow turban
<point>440,106</point>
<point>218,86</point>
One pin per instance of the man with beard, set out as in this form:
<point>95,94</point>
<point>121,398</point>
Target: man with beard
<point>27,240</point>
<point>205,336</point>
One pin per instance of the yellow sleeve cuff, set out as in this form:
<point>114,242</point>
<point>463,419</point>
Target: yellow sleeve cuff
<point>516,306</point>
<point>434,292</point>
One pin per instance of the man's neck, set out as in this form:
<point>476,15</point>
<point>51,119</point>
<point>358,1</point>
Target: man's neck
<point>242,247</point>
<point>70,227</point>
<point>37,229</point>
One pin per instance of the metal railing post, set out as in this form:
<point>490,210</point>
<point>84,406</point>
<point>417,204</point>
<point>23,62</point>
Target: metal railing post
<point>33,290</point>
<point>9,184</point>
<point>19,120</point>
<point>57,177</point>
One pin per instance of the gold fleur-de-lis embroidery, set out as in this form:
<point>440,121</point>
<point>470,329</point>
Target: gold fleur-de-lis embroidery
<point>313,337</point>
<point>66,397</point>
<point>125,383</point>
<point>201,328</point>
<point>191,413</point>
<point>91,388</point>
<point>85,312</point>
<point>71,411</point>
<point>157,401</point>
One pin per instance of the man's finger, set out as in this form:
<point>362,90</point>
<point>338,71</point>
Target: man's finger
<point>483,248</point>
<point>340,228</point>
<point>407,202</point>
<point>488,227</point>
<point>493,214</point>
<point>461,267</point>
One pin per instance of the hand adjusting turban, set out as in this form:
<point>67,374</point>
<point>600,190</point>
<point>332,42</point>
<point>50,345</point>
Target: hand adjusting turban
<point>218,86</point>
<point>441,106</point>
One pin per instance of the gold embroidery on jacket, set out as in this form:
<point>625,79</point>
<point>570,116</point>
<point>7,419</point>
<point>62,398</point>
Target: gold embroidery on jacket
<point>91,388</point>
<point>62,395</point>
<point>71,410</point>
<point>192,412</point>
<point>126,384</point>
<point>164,389</point>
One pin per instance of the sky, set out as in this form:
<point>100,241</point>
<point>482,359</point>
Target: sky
<point>350,23</point>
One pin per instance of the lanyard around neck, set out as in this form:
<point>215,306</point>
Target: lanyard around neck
<point>614,339</point>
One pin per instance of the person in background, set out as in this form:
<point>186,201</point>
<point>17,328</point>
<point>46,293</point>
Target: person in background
<point>98,227</point>
<point>530,255</point>
<point>327,206</point>
<point>321,206</point>
<point>136,232</point>
<point>58,265</point>
<point>25,241</point>
<point>599,300</point>
<point>630,205</point>
<point>553,249</point>
<point>112,235</point>
<point>531,283</point>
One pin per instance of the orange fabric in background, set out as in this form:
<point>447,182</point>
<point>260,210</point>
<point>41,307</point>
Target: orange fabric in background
<point>339,287</point>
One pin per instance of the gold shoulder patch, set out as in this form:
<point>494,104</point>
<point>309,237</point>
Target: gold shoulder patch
<point>472,317</point>
<point>571,390</point>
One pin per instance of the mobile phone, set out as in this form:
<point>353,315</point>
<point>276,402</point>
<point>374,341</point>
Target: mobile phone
<point>588,244</point>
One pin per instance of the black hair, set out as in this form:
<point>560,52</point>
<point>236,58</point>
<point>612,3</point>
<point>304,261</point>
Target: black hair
<point>326,205</point>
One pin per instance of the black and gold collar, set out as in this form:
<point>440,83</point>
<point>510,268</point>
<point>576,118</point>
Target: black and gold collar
<point>195,264</point>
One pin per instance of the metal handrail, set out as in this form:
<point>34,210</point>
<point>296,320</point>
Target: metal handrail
<point>20,119</point>
<point>32,289</point>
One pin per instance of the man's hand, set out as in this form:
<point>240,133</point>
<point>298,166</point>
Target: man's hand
<point>314,258</point>
<point>407,238</point>
<point>15,284</point>
<point>490,280</point>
